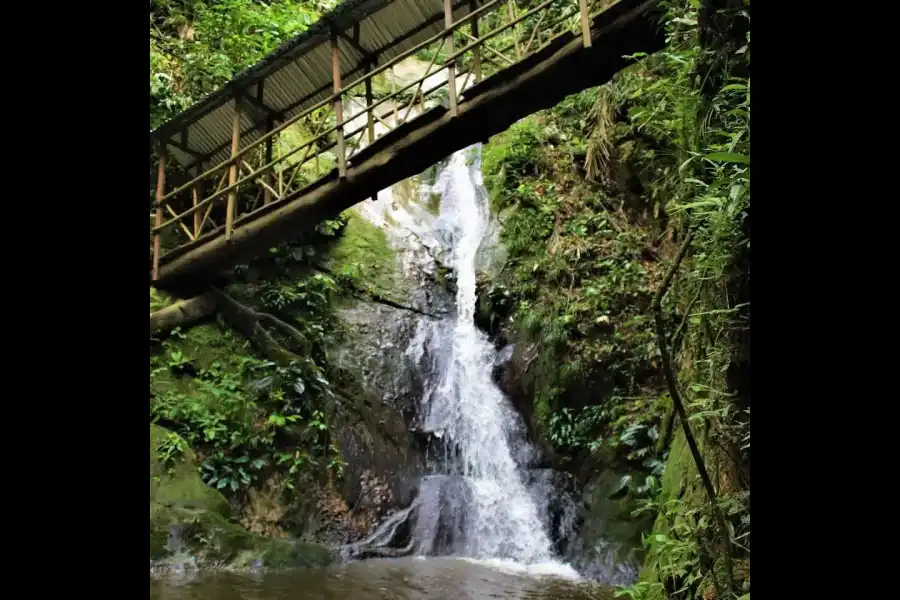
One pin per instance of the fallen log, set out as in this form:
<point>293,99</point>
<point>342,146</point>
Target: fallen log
<point>183,313</point>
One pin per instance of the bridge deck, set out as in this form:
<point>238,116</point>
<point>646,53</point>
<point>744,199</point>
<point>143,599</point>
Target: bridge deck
<point>272,185</point>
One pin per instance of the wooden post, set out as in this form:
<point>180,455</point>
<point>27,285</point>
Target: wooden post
<point>370,112</point>
<point>233,170</point>
<point>338,107</point>
<point>195,193</point>
<point>476,51</point>
<point>511,6</point>
<point>451,68</point>
<point>369,101</point>
<point>394,91</point>
<point>585,23</point>
<point>267,193</point>
<point>160,192</point>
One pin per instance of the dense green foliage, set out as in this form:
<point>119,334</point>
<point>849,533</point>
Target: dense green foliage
<point>239,411</point>
<point>595,196</point>
<point>250,417</point>
<point>198,45</point>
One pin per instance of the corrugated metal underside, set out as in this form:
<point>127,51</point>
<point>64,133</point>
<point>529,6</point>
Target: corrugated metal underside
<point>303,77</point>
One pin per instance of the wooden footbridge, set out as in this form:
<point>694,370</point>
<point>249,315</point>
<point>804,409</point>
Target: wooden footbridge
<point>273,151</point>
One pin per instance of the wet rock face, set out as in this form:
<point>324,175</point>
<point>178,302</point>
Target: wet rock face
<point>381,388</point>
<point>606,545</point>
<point>441,514</point>
<point>378,408</point>
<point>374,350</point>
<point>556,497</point>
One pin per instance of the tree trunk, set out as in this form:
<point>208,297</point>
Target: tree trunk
<point>249,323</point>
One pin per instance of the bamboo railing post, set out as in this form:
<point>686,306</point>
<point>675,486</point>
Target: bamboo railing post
<point>451,66</point>
<point>195,196</point>
<point>370,112</point>
<point>267,193</point>
<point>585,23</point>
<point>233,170</point>
<point>338,107</point>
<point>476,51</point>
<point>394,101</point>
<point>160,192</point>
<point>511,7</point>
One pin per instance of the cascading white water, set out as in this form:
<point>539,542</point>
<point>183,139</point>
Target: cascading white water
<point>482,436</point>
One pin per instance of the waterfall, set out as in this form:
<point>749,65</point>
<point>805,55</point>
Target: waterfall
<point>484,495</point>
<point>477,504</point>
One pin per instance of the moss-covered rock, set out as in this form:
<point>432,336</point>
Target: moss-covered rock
<point>189,521</point>
<point>203,346</point>
<point>363,249</point>
<point>176,482</point>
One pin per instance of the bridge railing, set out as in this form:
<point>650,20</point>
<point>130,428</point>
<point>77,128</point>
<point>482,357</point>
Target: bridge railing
<point>303,149</point>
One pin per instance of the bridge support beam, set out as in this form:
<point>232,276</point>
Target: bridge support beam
<point>539,81</point>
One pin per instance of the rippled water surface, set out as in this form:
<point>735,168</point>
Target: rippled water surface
<point>402,579</point>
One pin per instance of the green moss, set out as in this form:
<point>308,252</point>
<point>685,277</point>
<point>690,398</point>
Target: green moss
<point>433,204</point>
<point>178,483</point>
<point>207,346</point>
<point>291,138</point>
<point>679,481</point>
<point>680,468</point>
<point>208,343</point>
<point>284,553</point>
<point>179,498</point>
<point>159,299</point>
<point>216,541</point>
<point>364,250</point>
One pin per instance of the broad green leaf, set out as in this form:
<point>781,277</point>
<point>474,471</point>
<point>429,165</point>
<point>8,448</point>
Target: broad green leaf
<point>730,157</point>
